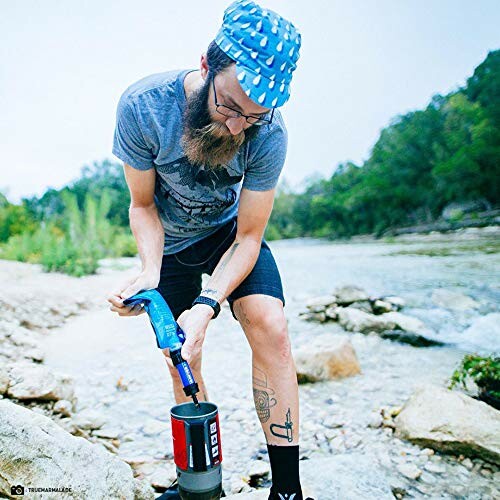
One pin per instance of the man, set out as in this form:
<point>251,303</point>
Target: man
<point>203,151</point>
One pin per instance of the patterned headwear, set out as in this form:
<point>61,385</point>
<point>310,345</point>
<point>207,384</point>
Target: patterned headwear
<point>265,47</point>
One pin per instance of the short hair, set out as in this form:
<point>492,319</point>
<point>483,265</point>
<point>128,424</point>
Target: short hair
<point>217,59</point>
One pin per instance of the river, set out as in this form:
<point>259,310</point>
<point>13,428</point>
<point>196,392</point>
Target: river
<point>99,349</point>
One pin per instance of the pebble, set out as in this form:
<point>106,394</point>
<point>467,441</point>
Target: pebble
<point>164,477</point>
<point>89,420</point>
<point>394,411</point>
<point>310,426</point>
<point>63,407</point>
<point>427,451</point>
<point>334,421</point>
<point>385,459</point>
<point>412,451</point>
<point>155,427</point>
<point>421,460</point>
<point>422,488</point>
<point>109,446</point>
<point>238,415</point>
<point>330,434</point>
<point>486,472</point>
<point>138,460</point>
<point>238,485</point>
<point>353,443</point>
<point>150,468</point>
<point>410,471</point>
<point>457,489</point>
<point>258,469</point>
<point>337,443</point>
<point>388,423</point>
<point>428,478</point>
<point>375,420</point>
<point>436,468</point>
<point>107,433</point>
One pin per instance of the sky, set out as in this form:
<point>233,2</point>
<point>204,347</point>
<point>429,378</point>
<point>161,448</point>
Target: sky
<point>64,65</point>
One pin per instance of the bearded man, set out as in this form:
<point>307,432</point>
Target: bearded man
<point>203,151</point>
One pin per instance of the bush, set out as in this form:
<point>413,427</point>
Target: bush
<point>484,371</point>
<point>74,241</point>
<point>124,244</point>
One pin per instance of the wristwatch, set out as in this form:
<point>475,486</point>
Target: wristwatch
<point>209,302</point>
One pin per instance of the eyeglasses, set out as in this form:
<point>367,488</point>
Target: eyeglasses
<point>233,113</point>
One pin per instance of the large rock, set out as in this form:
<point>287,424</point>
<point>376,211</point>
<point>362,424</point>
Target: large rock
<point>397,302</point>
<point>327,358</point>
<point>36,452</point>
<point>355,320</point>
<point>318,304</point>
<point>341,477</point>
<point>313,316</point>
<point>30,381</point>
<point>348,294</point>
<point>363,305</point>
<point>453,300</point>
<point>382,306</point>
<point>451,422</point>
<point>404,322</point>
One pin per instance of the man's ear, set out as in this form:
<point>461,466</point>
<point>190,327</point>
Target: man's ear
<point>204,65</point>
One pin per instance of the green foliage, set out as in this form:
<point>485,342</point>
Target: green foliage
<point>14,219</point>
<point>483,86</point>
<point>105,176</point>
<point>424,160</point>
<point>72,242</point>
<point>468,157</point>
<point>484,371</point>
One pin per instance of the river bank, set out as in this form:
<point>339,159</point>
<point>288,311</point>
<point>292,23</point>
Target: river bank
<point>122,387</point>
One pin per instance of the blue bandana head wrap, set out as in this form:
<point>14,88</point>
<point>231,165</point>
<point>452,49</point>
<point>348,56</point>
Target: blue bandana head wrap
<point>265,47</point>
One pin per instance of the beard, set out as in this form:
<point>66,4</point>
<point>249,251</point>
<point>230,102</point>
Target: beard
<point>208,142</point>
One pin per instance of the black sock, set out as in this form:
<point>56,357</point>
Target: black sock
<point>284,462</point>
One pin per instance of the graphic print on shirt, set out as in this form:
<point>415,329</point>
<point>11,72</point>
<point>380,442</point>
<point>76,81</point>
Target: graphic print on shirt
<point>190,203</point>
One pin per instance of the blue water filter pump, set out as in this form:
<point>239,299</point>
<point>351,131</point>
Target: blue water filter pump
<point>168,335</point>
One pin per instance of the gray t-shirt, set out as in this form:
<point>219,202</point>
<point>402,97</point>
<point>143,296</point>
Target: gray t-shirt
<point>192,201</point>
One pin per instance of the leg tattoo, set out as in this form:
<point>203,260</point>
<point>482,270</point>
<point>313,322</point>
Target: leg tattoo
<point>286,427</point>
<point>262,395</point>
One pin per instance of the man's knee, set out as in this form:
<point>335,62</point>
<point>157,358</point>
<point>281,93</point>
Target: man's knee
<point>263,319</point>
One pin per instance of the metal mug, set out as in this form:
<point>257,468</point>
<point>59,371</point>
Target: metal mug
<point>197,450</point>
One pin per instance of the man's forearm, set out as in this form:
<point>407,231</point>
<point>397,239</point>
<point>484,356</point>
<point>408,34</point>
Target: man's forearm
<point>234,266</point>
<point>149,235</point>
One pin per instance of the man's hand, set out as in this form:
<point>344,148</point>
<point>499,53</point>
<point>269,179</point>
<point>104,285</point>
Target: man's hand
<point>132,286</point>
<point>194,322</point>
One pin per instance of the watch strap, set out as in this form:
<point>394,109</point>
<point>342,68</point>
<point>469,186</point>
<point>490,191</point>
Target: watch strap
<point>209,302</point>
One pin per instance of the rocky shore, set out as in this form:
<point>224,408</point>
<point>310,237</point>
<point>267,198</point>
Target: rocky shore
<point>85,397</point>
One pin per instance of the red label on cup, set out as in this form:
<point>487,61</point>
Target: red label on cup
<point>179,438</point>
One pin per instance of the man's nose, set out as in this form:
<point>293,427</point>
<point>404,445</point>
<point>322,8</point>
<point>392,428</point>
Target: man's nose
<point>235,125</point>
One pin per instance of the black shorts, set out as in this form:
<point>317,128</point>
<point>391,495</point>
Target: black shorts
<point>180,277</point>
